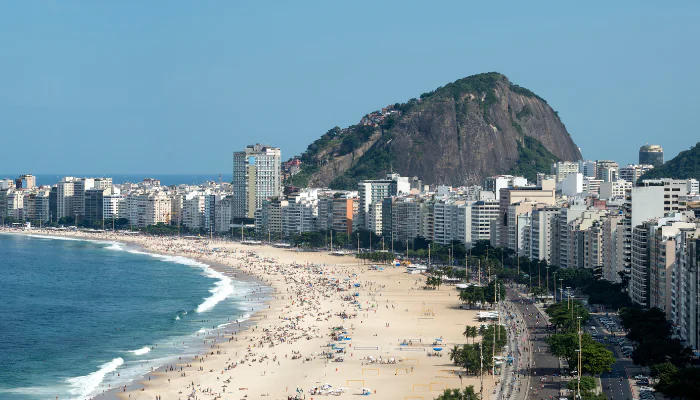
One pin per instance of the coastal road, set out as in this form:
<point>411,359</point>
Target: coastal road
<point>543,363</point>
<point>619,390</point>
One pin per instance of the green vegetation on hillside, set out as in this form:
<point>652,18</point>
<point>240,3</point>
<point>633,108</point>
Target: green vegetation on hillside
<point>376,161</point>
<point>477,84</point>
<point>525,92</point>
<point>533,157</point>
<point>685,165</point>
<point>301,179</point>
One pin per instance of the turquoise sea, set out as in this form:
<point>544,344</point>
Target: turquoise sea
<point>79,317</point>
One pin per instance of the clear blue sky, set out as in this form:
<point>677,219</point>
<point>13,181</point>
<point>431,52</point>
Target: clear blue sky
<point>177,86</point>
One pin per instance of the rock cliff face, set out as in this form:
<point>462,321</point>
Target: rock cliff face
<point>458,134</point>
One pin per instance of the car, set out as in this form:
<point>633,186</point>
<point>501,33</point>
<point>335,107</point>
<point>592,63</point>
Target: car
<point>641,377</point>
<point>642,382</point>
<point>646,389</point>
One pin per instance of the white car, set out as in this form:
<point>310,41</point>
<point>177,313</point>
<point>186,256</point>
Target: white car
<point>646,389</point>
<point>641,377</point>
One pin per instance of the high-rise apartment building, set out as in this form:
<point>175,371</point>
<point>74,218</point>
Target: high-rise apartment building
<point>94,205</point>
<point>631,173</point>
<point>544,195</point>
<point>483,213</point>
<point>64,197</point>
<point>685,287</point>
<point>606,170</point>
<point>662,244</point>
<point>587,168</point>
<point>256,177</point>
<point>651,154</point>
<point>345,210</point>
<point>562,169</point>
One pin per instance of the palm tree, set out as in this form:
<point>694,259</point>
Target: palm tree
<point>455,394</point>
<point>456,355</point>
<point>471,332</point>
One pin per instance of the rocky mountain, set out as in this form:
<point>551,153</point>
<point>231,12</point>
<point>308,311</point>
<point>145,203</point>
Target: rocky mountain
<point>458,134</point>
<point>685,165</point>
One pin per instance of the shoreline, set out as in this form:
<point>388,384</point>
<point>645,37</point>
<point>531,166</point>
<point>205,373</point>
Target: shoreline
<point>237,275</point>
<point>392,326</point>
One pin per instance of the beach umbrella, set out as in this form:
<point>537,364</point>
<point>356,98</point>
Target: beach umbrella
<point>437,348</point>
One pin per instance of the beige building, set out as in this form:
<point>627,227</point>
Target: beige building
<point>543,195</point>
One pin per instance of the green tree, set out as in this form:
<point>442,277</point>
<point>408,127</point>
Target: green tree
<point>490,290</point>
<point>563,315</point>
<point>471,332</point>
<point>587,384</point>
<point>595,358</point>
<point>457,394</point>
<point>666,375</point>
<point>651,331</point>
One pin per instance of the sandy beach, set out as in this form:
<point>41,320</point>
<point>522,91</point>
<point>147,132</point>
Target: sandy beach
<point>323,308</point>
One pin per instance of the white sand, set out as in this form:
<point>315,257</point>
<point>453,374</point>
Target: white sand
<point>258,362</point>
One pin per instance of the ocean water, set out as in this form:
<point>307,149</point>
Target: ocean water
<point>78,317</point>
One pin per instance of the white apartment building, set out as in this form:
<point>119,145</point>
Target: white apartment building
<point>112,204</point>
<point>653,200</point>
<point>611,267</point>
<point>445,222</point>
<point>564,258</point>
<point>324,221</point>
<point>542,231</point>
<point>614,190</point>
<point>633,172</point>
<point>572,185</point>
<point>256,177</point>
<point>374,218</point>
<point>406,217</point>
<point>591,187</point>
<point>685,287</point>
<point>299,215</point>
<point>587,168</point>
<point>662,244</point>
<point>194,210</point>
<point>373,191</point>
<point>37,206</point>
<point>483,213</point>
<point>607,171</point>
<point>268,218</point>
<point>641,274</point>
<point>15,204</point>
<point>517,226</point>
<point>80,186</point>
<point>496,183</point>
<point>144,209</point>
<point>222,214</point>
<point>562,169</point>
<point>64,197</point>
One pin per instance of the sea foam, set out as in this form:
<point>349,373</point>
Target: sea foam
<point>222,289</point>
<point>84,386</point>
<point>141,351</point>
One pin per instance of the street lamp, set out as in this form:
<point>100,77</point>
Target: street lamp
<point>547,282</point>
<point>568,296</point>
<point>561,285</point>
<point>579,357</point>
